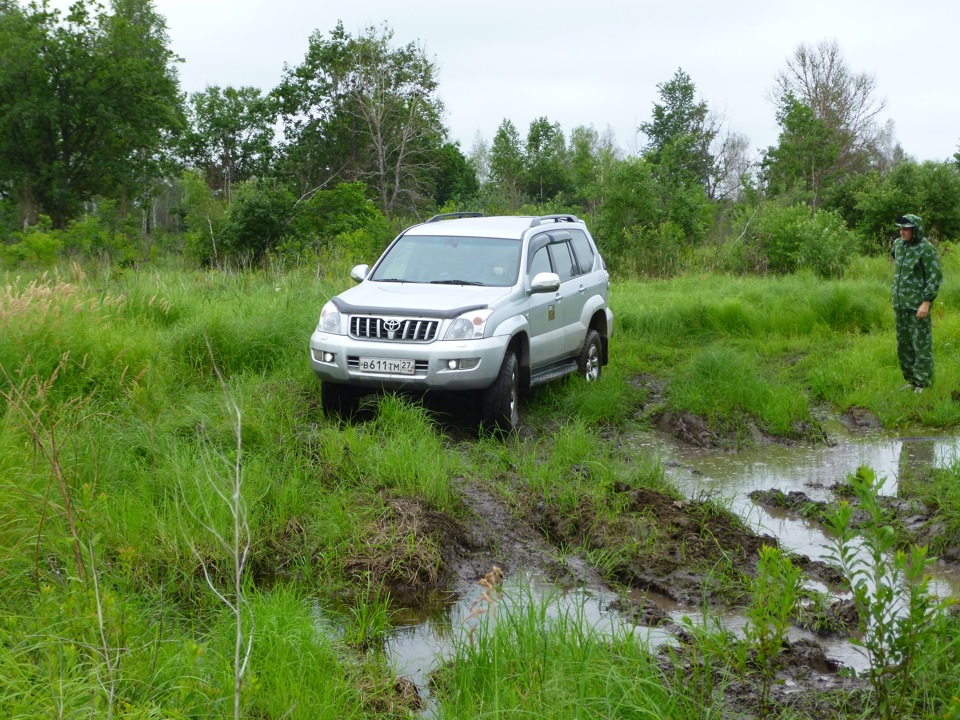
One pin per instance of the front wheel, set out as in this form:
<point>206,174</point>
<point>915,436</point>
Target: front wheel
<point>590,361</point>
<point>501,400</point>
<point>339,401</point>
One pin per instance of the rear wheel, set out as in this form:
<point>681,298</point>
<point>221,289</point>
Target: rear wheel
<point>339,401</point>
<point>501,400</point>
<point>590,361</point>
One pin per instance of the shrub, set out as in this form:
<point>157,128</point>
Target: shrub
<point>786,239</point>
<point>257,221</point>
<point>37,246</point>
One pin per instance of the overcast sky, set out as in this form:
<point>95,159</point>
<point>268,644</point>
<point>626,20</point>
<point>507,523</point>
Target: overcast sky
<point>599,62</point>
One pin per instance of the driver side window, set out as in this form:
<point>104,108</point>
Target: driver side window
<point>540,262</point>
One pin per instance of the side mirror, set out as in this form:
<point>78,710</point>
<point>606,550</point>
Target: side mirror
<point>545,282</point>
<point>359,272</point>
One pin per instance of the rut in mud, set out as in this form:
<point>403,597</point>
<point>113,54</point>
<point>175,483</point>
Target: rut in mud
<point>688,550</point>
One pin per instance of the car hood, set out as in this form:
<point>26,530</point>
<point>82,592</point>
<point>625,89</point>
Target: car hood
<point>416,299</point>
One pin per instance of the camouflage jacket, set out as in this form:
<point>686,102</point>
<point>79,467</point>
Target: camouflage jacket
<point>916,271</point>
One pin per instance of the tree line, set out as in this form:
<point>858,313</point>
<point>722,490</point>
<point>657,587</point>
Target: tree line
<point>100,151</point>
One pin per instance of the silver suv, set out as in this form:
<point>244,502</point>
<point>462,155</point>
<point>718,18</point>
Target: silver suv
<point>465,302</point>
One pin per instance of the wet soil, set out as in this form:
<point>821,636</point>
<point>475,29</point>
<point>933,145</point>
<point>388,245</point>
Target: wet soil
<point>678,544</point>
<point>915,523</point>
<point>698,432</point>
<point>688,551</point>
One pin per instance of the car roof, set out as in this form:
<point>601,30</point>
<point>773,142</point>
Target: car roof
<point>498,226</point>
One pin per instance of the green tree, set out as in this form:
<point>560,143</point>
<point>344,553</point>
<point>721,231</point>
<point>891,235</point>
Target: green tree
<point>929,189</point>
<point>805,156</point>
<point>204,217</point>
<point>680,134</point>
<point>630,203</point>
<point>507,161</point>
<point>455,177</point>
<point>89,103</point>
<point>546,167</point>
<point>258,220</point>
<point>231,135</point>
<point>592,159</point>
<point>358,108</point>
<point>827,116</point>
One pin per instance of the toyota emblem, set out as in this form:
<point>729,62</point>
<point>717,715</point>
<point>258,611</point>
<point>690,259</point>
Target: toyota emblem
<point>391,326</point>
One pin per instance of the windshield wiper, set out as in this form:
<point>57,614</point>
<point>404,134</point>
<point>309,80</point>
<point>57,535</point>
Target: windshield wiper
<point>455,282</point>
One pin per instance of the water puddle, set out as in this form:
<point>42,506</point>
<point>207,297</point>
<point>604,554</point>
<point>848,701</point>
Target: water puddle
<point>426,634</point>
<point>809,469</point>
<point>427,640</point>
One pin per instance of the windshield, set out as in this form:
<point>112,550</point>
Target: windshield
<point>491,262</point>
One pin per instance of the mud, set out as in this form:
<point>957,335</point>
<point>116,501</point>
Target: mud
<point>500,538</point>
<point>387,560</point>
<point>681,542</point>
<point>915,523</point>
<point>693,538</point>
<point>676,548</point>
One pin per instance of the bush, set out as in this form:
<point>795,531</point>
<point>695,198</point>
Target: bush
<point>658,252</point>
<point>257,220</point>
<point>786,239</point>
<point>930,189</point>
<point>37,246</point>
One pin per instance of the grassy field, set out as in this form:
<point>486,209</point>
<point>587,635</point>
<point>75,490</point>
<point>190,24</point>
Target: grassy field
<point>178,513</point>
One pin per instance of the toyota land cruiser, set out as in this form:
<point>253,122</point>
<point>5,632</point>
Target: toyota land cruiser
<point>465,302</point>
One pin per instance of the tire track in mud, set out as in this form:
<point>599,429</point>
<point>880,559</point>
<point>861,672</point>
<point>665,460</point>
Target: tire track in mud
<point>501,538</point>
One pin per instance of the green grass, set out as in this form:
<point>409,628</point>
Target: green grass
<point>114,418</point>
<point>530,660</point>
<point>766,351</point>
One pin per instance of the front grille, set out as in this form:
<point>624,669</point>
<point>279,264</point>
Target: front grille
<point>369,327</point>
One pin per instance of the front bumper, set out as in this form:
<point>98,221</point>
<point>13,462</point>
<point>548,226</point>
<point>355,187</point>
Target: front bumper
<point>336,358</point>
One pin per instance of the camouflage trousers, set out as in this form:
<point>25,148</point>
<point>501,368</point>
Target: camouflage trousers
<point>915,347</point>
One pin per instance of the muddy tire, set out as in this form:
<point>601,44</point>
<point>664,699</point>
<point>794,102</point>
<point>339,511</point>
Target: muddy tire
<point>339,401</point>
<point>500,404</point>
<point>590,362</point>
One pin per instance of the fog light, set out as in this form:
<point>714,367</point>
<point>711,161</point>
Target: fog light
<point>328,357</point>
<point>452,364</point>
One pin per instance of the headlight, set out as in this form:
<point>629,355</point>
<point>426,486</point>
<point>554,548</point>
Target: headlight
<point>329,319</point>
<point>468,326</point>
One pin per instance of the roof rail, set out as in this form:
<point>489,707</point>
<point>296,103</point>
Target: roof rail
<point>553,218</point>
<point>450,216</point>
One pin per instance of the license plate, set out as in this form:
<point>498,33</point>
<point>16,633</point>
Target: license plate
<point>387,365</point>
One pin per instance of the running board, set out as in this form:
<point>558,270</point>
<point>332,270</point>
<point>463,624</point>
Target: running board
<point>552,372</point>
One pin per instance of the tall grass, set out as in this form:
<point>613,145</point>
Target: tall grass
<point>531,659</point>
<point>724,386</point>
<point>111,614</point>
<point>766,350</point>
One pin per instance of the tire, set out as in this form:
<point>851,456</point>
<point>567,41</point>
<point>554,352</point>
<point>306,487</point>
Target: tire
<point>339,401</point>
<point>501,401</point>
<point>590,362</point>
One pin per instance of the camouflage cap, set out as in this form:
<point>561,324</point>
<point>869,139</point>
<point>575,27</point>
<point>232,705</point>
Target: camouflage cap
<point>908,221</point>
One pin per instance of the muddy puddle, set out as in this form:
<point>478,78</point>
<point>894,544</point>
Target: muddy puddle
<point>426,631</point>
<point>425,636</point>
<point>809,469</point>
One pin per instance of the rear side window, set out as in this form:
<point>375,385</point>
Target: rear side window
<point>563,262</point>
<point>583,250</point>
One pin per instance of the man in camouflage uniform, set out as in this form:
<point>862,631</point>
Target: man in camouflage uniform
<point>916,280</point>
